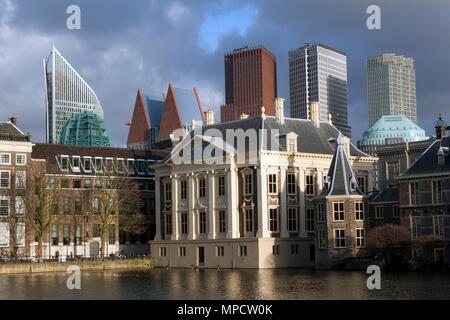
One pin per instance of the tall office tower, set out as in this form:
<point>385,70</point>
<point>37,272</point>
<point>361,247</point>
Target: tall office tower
<point>250,83</point>
<point>391,87</point>
<point>67,94</point>
<point>318,73</point>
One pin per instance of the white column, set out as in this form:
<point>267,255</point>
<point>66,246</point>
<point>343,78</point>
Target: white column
<point>301,180</point>
<point>158,208</point>
<point>191,212</point>
<point>232,212</point>
<point>175,218</point>
<point>319,184</point>
<point>211,205</point>
<point>283,203</point>
<point>263,231</point>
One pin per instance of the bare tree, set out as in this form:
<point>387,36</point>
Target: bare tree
<point>41,199</point>
<point>117,207</point>
<point>387,236</point>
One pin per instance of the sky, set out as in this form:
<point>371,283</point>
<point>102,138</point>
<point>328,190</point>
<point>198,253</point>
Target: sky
<point>147,44</point>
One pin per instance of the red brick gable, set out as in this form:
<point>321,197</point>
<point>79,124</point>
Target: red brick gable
<point>170,119</point>
<point>140,125</point>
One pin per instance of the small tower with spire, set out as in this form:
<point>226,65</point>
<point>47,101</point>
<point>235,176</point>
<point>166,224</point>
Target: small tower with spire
<point>340,228</point>
<point>440,126</point>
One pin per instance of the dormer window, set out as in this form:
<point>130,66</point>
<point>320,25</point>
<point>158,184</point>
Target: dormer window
<point>98,164</point>
<point>65,163</point>
<point>326,182</point>
<point>109,165</point>
<point>291,139</point>
<point>120,166</point>
<point>441,159</point>
<point>87,164</point>
<point>76,164</point>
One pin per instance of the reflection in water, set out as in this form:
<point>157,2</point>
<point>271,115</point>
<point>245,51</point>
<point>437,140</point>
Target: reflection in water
<point>222,284</point>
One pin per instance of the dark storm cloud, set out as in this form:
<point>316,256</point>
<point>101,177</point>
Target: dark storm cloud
<point>125,45</point>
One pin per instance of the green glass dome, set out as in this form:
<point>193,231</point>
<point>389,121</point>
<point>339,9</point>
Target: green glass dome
<point>86,129</point>
<point>396,128</point>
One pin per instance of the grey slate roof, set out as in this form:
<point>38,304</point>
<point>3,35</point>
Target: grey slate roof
<point>385,195</point>
<point>9,128</point>
<point>311,138</point>
<point>427,163</point>
<point>340,175</point>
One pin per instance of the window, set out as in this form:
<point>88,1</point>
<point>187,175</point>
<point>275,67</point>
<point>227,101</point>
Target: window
<point>66,206</point>
<point>96,206</point>
<point>98,164</point>
<point>162,252</point>
<point>320,212</point>
<point>273,220</point>
<point>168,191</point>
<point>438,226</point>
<point>379,214</point>
<point>183,189</point>
<point>221,191</point>
<point>222,222</point>
<point>65,183</point>
<point>4,206</point>
<point>414,191</point>
<point>112,234</point>
<point>220,251</point>
<point>6,158</point>
<point>182,251</point>
<point>120,166</point>
<point>292,219</point>
<point>248,220</point>
<point>98,184</point>
<point>76,163</point>
<point>78,234</point>
<point>20,179</point>
<point>416,225</point>
<point>53,183</point>
<point>202,187</point>
<point>309,185</point>
<point>55,239</point>
<point>294,249</point>
<point>21,159</point>
<point>95,231</point>
<point>360,242</point>
<point>20,206</point>
<point>359,210</point>
<point>87,164</point>
<point>242,251</point>
<point>362,183</point>
<point>439,255</point>
<point>109,165</point>
<point>87,183</point>
<point>291,145</point>
<point>64,163</point>
<point>77,184</point>
<point>248,182</point>
<point>168,224</point>
<point>338,211</point>
<point>291,184</point>
<point>4,234</point>
<point>393,169</point>
<point>184,223</point>
<point>276,250</point>
<point>339,238</point>
<point>417,253</point>
<point>309,219</point>
<point>437,191</point>
<point>78,207</point>
<point>4,179</point>
<point>321,238</point>
<point>272,183</point>
<point>395,211</point>
<point>66,234</point>
<point>20,235</point>
<point>202,222</point>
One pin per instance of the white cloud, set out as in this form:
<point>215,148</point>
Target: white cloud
<point>177,12</point>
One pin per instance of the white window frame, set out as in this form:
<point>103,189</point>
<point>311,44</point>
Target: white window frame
<point>19,210</point>
<point>361,238</point>
<point>248,184</point>
<point>359,213</point>
<point>340,237</point>
<point>84,164</point>
<point>101,164</point>
<point>18,184</point>
<point>21,234</point>
<point>25,159</point>
<point>276,220</point>
<point>272,183</point>
<point>321,238</point>
<point>61,164</point>
<point>292,220</point>
<point>338,212</point>
<point>379,209</point>
<point>1,159</point>
<point>4,235</point>
<point>72,164</point>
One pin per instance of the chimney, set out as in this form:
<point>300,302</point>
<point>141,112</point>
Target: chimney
<point>440,126</point>
<point>209,116</point>
<point>330,119</point>
<point>13,120</point>
<point>279,109</point>
<point>314,112</point>
<point>243,116</point>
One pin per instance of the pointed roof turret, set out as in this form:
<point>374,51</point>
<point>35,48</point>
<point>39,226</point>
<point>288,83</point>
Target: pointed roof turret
<point>341,180</point>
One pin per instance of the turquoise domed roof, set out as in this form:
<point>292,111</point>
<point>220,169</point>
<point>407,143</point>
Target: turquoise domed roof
<point>392,129</point>
<point>86,129</point>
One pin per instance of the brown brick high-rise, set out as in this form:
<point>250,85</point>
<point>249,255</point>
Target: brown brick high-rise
<point>250,83</point>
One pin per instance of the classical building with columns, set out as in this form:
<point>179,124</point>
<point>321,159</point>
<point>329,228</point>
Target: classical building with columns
<point>240,194</point>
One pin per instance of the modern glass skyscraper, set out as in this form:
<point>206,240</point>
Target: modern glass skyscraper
<point>391,87</point>
<point>67,94</point>
<point>318,73</point>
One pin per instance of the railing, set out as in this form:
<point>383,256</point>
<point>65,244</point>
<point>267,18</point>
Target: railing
<point>10,259</point>
<point>15,137</point>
